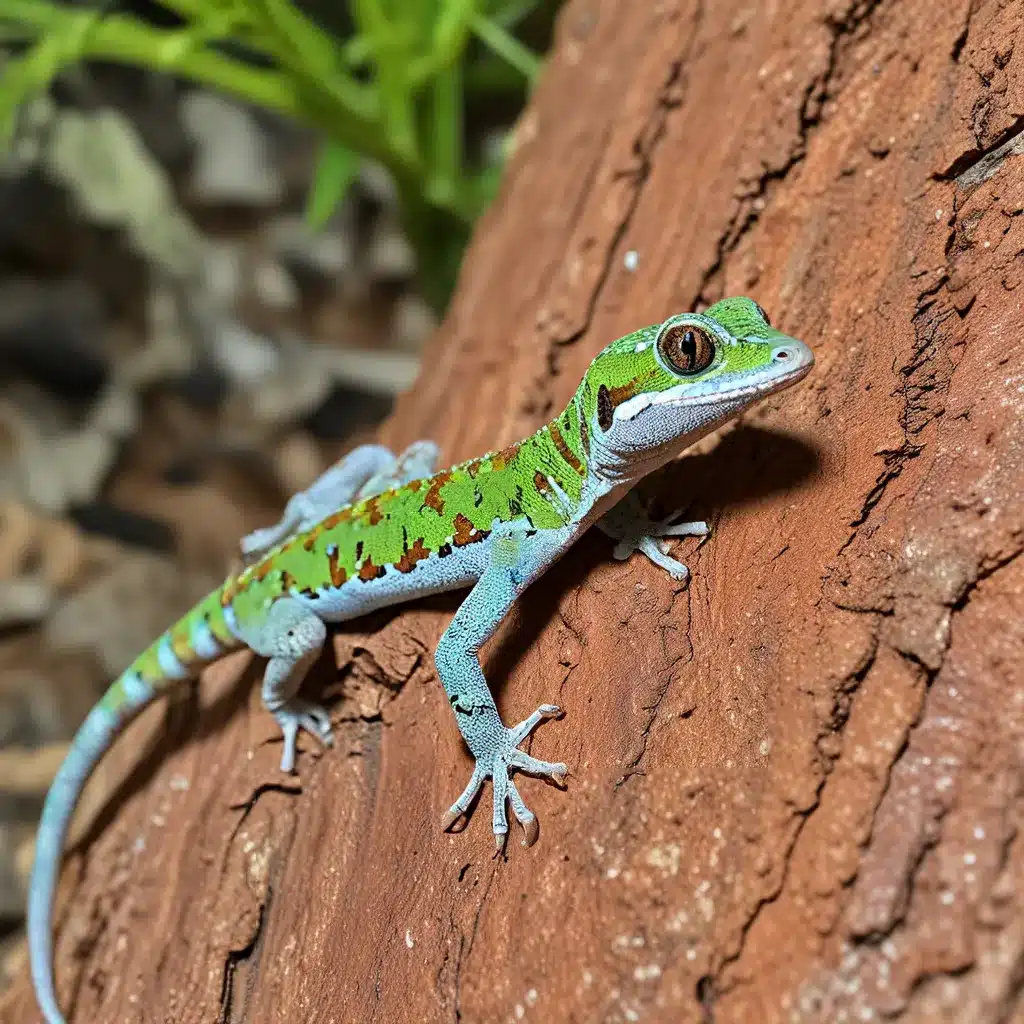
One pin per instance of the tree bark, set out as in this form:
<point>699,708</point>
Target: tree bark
<point>797,783</point>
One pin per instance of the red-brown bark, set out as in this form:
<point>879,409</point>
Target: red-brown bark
<point>797,783</point>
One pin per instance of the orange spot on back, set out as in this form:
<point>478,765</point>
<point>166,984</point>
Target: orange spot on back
<point>369,571</point>
<point>433,499</point>
<point>564,450</point>
<point>337,572</point>
<point>499,460</point>
<point>372,510</point>
<point>412,555</point>
<point>230,589</point>
<point>465,533</point>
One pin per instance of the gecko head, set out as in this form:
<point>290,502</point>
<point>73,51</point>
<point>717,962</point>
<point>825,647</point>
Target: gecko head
<point>653,393</point>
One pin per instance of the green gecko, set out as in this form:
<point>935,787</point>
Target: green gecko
<point>377,530</point>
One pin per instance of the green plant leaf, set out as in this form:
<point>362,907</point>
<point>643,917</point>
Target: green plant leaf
<point>392,81</point>
<point>508,13</point>
<point>506,46</point>
<point>336,168</point>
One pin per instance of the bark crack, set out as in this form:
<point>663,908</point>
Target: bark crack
<point>924,380</point>
<point>247,806</point>
<point>818,91</point>
<point>932,839</point>
<point>236,957</point>
<point>645,144</point>
<point>970,169</point>
<point>684,658</point>
<point>466,943</point>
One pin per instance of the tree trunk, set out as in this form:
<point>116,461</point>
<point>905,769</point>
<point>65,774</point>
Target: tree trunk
<point>797,783</point>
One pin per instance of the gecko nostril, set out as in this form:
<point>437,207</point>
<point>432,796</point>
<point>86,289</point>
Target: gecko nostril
<point>782,354</point>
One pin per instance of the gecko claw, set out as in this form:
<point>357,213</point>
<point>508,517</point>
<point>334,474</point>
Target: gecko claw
<point>298,714</point>
<point>531,830</point>
<point>449,818</point>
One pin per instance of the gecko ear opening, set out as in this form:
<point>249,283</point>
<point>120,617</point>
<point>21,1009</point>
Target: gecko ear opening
<point>605,409</point>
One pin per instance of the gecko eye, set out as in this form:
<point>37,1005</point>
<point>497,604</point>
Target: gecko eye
<point>687,349</point>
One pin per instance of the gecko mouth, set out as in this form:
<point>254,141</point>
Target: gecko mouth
<point>765,386</point>
<point>774,383</point>
<point>791,363</point>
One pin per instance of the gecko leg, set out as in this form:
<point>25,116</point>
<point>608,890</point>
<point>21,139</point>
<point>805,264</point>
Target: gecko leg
<point>334,488</point>
<point>365,471</point>
<point>629,525</point>
<point>291,638</point>
<point>516,558</point>
<point>417,461</point>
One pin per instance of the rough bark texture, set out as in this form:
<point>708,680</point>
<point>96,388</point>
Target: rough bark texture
<point>797,783</point>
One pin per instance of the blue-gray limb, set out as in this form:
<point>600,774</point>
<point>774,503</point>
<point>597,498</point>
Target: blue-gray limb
<point>517,556</point>
<point>291,637</point>
<point>367,470</point>
<point>417,461</point>
<point>629,524</point>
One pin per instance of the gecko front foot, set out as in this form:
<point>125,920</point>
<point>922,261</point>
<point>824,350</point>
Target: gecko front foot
<point>498,755</point>
<point>633,529</point>
<point>295,714</point>
<point>651,539</point>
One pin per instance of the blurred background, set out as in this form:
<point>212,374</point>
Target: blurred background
<point>227,228</point>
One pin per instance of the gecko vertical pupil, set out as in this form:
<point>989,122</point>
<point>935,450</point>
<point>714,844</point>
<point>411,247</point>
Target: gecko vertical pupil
<point>687,349</point>
<point>605,408</point>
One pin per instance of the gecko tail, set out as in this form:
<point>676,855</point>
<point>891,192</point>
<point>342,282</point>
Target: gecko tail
<point>121,703</point>
<point>201,636</point>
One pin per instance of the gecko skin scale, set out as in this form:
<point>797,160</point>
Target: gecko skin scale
<point>379,529</point>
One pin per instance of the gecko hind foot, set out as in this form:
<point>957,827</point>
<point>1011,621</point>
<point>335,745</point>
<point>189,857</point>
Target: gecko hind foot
<point>296,714</point>
<point>498,758</point>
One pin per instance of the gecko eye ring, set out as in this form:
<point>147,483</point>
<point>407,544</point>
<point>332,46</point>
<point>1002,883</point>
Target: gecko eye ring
<point>686,349</point>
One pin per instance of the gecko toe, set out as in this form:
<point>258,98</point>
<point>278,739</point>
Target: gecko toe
<point>290,732</point>
<point>297,714</point>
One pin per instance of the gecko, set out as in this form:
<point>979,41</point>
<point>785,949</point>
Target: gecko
<point>379,529</point>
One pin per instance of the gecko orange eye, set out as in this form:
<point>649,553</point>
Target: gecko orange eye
<point>687,349</point>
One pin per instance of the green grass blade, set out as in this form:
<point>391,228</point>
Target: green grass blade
<point>508,14</point>
<point>506,46</point>
<point>391,60</point>
<point>336,168</point>
<point>446,132</point>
